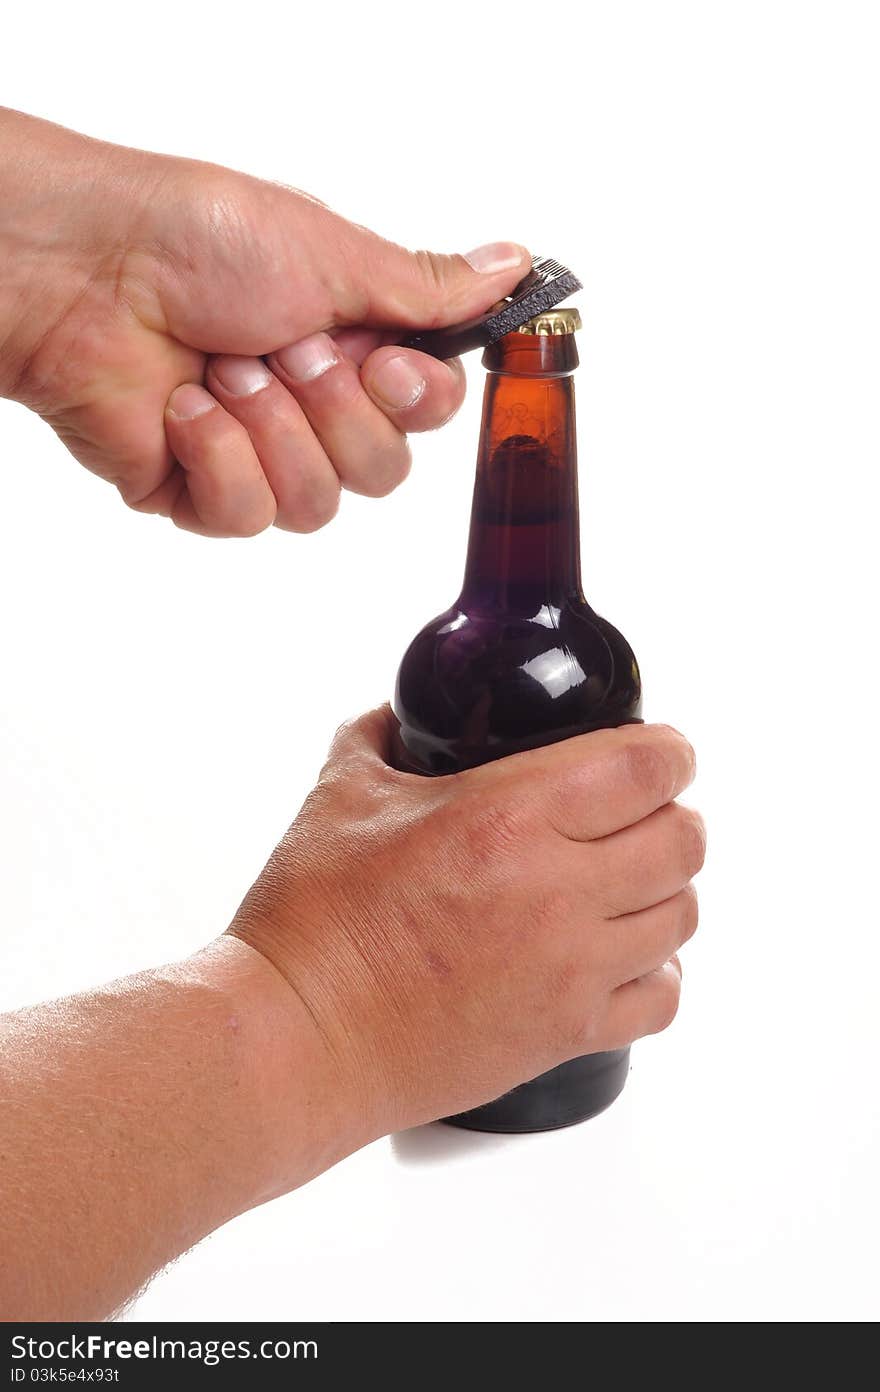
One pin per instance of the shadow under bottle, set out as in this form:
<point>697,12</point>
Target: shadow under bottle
<point>521,660</point>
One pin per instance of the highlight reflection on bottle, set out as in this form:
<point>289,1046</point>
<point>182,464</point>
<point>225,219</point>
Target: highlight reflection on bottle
<point>521,660</point>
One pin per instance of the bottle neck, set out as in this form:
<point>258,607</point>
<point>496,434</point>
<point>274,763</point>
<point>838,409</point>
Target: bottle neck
<point>524,547</point>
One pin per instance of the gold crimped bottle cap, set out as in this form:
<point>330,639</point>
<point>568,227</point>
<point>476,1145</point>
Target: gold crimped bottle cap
<point>553,321</point>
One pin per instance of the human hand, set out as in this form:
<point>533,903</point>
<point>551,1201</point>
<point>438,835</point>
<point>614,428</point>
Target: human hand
<point>144,293</point>
<point>453,937</point>
<point>415,947</point>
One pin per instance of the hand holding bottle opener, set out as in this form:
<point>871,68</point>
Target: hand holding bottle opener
<point>547,283</point>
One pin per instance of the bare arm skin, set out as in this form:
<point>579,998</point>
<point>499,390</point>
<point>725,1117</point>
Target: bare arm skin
<point>140,1116</point>
<point>413,948</point>
<point>222,349</point>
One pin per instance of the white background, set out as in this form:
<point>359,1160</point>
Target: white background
<point>710,171</point>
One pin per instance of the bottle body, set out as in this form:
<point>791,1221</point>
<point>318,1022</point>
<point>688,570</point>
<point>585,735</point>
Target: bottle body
<point>473,688</point>
<point>521,660</point>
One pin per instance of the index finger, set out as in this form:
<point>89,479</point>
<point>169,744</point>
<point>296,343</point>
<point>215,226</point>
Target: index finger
<point>595,784</point>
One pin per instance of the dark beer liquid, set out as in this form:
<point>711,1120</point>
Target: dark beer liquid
<point>521,660</point>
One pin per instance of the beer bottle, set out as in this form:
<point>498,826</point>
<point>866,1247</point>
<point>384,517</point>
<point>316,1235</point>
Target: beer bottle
<point>521,660</point>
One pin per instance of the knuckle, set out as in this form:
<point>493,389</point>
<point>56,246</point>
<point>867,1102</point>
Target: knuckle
<point>666,1002</point>
<point>690,914</point>
<point>434,278</point>
<point>351,790</point>
<point>385,472</point>
<point>346,386</point>
<point>347,739</point>
<point>301,524</point>
<point>346,730</point>
<point>253,525</point>
<point>670,734</point>
<point>606,888</point>
<point>310,514</point>
<point>646,767</point>
<point>692,838</point>
<point>580,1022</point>
<point>549,908</point>
<point>569,1020</point>
<point>494,828</point>
<point>607,898</point>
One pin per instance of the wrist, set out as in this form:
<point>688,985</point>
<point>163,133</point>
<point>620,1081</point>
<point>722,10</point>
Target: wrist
<point>293,1104</point>
<point>33,236</point>
<point>68,207</point>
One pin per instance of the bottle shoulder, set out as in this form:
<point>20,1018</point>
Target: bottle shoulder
<point>509,678</point>
<point>459,636</point>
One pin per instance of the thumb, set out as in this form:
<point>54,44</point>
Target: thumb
<point>366,739</point>
<point>424,289</point>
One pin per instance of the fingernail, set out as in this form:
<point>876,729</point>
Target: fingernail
<point>242,376</point>
<point>189,401</point>
<point>495,257</point>
<point>308,359</point>
<point>398,382</point>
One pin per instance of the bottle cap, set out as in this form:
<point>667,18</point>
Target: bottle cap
<point>553,321</point>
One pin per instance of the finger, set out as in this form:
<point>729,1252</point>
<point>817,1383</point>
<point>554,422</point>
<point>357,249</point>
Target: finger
<point>413,390</point>
<point>641,1007</point>
<point>357,344</point>
<point>368,452</point>
<point>631,946</point>
<point>304,482</point>
<point>227,493</point>
<point>593,785</point>
<point>648,862</point>
<point>164,499</point>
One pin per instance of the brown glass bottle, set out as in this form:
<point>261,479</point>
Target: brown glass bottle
<point>521,660</point>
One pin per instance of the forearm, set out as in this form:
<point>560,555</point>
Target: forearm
<point>137,1118</point>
